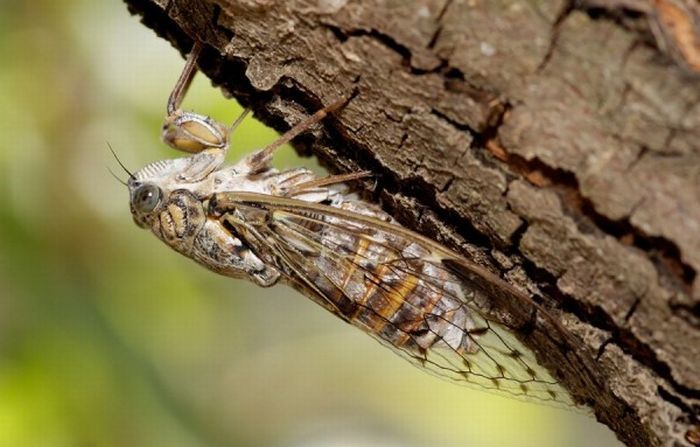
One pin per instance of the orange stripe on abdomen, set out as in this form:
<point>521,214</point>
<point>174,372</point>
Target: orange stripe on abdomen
<point>383,298</point>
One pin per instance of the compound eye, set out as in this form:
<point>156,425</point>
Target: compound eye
<point>147,198</point>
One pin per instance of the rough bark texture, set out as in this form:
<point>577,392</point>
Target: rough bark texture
<point>548,140</point>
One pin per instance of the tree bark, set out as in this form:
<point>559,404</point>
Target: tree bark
<point>550,141</point>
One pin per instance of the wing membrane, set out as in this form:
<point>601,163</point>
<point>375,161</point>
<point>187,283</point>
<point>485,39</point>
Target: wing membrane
<point>339,256</point>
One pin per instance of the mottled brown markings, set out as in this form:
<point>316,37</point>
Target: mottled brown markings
<point>518,355</point>
<point>424,360</point>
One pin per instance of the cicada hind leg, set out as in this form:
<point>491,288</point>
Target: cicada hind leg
<point>195,133</point>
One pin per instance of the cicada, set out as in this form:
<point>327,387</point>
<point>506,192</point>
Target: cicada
<point>251,221</point>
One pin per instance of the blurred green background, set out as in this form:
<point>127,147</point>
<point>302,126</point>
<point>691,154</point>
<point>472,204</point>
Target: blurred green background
<point>108,338</point>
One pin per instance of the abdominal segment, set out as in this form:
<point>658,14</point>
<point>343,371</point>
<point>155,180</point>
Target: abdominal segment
<point>387,287</point>
<point>409,311</point>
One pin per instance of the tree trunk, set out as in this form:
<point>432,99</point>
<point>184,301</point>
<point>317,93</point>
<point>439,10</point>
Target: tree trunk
<point>549,141</point>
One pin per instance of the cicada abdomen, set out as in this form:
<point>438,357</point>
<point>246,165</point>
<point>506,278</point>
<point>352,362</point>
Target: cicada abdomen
<point>382,283</point>
<point>433,307</point>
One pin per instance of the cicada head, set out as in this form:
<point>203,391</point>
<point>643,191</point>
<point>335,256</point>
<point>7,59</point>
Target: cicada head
<point>161,203</point>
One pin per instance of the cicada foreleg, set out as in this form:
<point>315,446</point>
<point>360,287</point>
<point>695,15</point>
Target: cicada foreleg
<point>209,140</point>
<point>189,131</point>
<point>192,132</point>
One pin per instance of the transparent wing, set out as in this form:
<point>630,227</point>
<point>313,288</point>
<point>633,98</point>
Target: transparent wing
<point>327,250</point>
